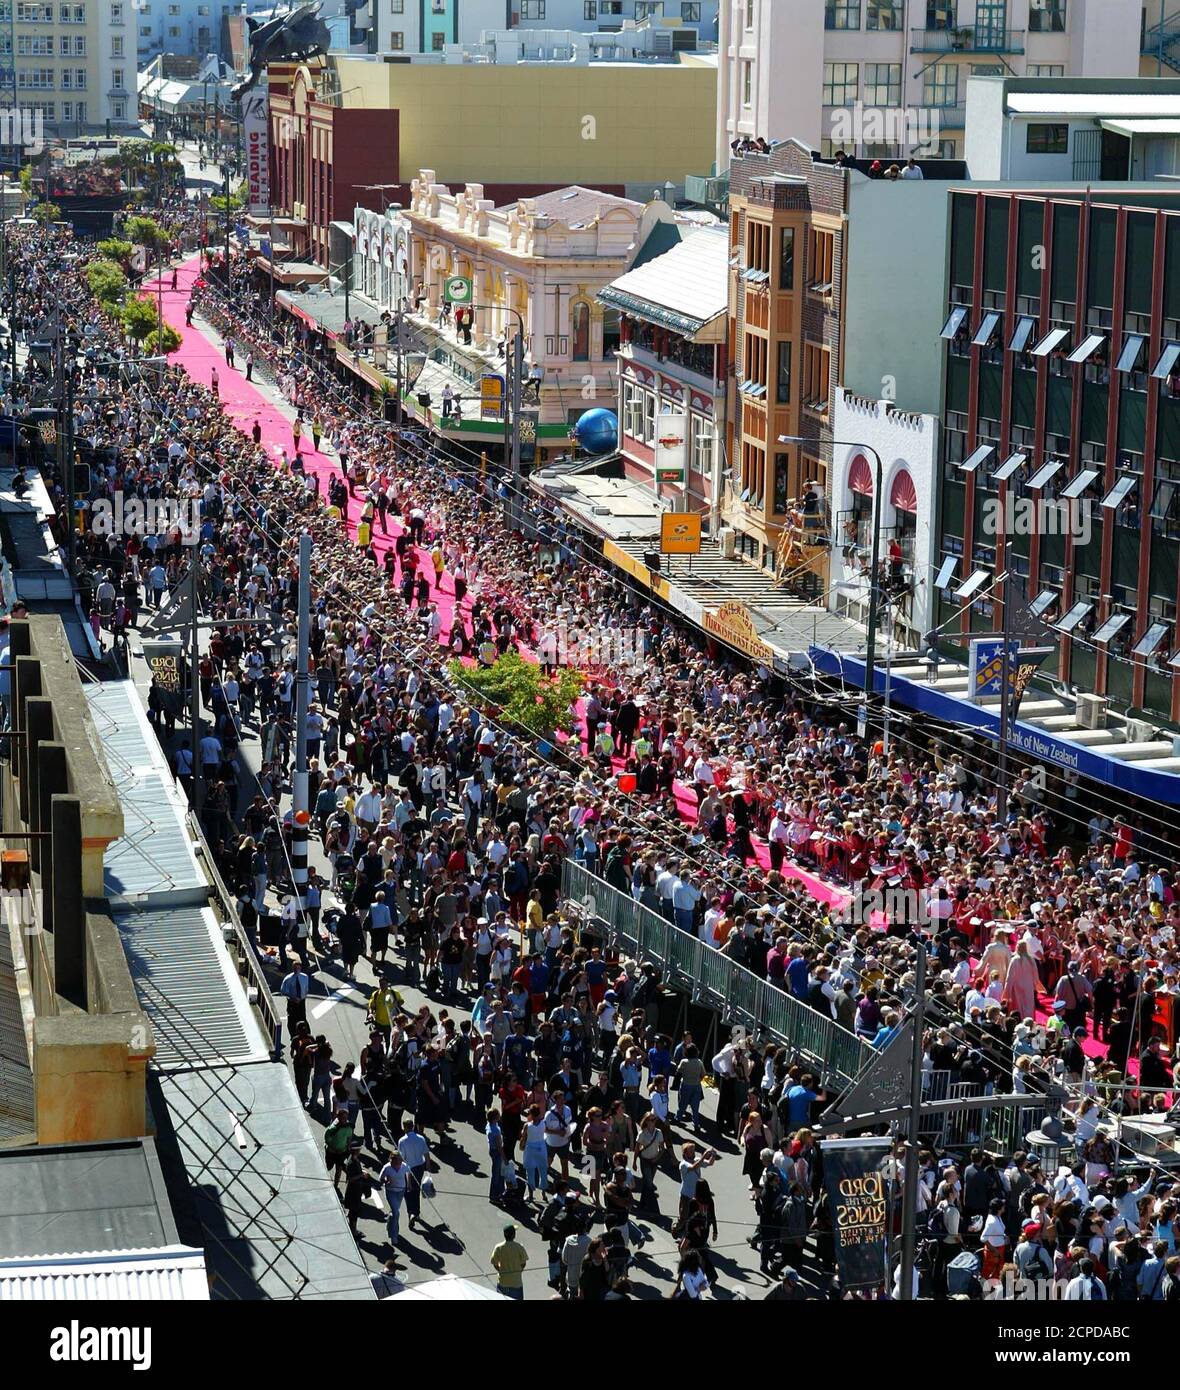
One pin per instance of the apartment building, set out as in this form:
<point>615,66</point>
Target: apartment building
<point>883,78</point>
<point>188,28</point>
<point>427,26</point>
<point>74,61</point>
<point>1062,391</point>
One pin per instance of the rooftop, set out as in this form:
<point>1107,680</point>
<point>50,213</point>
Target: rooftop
<point>578,206</point>
<point>689,283</point>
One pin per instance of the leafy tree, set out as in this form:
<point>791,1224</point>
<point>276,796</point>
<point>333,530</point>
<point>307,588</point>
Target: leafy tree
<point>236,201</point>
<point>26,179</point>
<point>47,212</point>
<point>145,231</point>
<point>521,693</point>
<point>140,317</point>
<point>107,283</point>
<point>162,341</point>
<point>116,249</point>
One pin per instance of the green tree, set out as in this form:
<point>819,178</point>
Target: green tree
<point>520,694</point>
<point>114,248</point>
<point>236,201</point>
<point>107,282</point>
<point>47,212</point>
<point>162,341</point>
<point>26,179</point>
<point>140,318</point>
<point>145,231</point>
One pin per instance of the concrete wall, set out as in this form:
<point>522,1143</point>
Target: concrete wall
<point>595,125</point>
<point>904,442</point>
<point>895,295</point>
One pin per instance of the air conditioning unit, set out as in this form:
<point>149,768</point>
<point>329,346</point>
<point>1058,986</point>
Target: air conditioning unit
<point>1139,731</point>
<point>727,540</point>
<point>1091,711</point>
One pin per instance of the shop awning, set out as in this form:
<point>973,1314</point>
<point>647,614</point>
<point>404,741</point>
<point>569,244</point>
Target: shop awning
<point>904,495</point>
<point>1130,126</point>
<point>860,476</point>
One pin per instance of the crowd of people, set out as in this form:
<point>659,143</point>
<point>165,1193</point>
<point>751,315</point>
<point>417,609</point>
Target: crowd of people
<point>708,790</point>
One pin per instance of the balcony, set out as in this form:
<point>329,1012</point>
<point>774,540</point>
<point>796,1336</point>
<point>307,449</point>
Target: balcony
<point>967,38</point>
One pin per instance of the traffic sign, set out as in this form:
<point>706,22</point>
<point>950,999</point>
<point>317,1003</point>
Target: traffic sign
<point>457,290</point>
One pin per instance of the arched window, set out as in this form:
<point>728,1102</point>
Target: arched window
<point>580,322</point>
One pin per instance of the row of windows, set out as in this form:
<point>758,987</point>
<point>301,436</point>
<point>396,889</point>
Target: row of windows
<point>688,11</point>
<point>41,45</point>
<point>41,12</point>
<point>1044,16</point>
<point>640,408</point>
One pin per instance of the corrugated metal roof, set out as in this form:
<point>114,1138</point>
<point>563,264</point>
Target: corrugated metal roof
<point>687,286</point>
<point>188,987</point>
<point>1094,104</point>
<point>151,1276</point>
<point>16,1076</point>
<point>154,859</point>
<point>273,1226</point>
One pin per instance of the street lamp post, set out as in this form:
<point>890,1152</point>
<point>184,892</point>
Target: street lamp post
<point>875,560</point>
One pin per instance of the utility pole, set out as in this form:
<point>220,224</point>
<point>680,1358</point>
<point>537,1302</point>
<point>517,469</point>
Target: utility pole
<point>514,465</point>
<point>909,1215</point>
<point>194,659</point>
<point>1005,680</point>
<point>300,808</point>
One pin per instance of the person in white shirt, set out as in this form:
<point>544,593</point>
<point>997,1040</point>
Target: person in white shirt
<point>1085,1286</point>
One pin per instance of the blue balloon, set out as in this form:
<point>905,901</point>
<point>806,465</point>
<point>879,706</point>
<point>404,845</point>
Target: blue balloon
<point>597,431</point>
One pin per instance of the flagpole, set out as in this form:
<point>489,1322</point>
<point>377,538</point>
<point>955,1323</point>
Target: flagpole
<point>1005,677</point>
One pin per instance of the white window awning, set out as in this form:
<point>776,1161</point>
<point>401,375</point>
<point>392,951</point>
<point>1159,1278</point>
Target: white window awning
<point>1151,639</point>
<point>1074,617</point>
<point>1120,492</point>
<point>1024,330</point>
<point>986,328</point>
<point>1130,125</point>
<point>946,571</point>
<point>1111,627</point>
<point>973,585</point>
<point>1054,338</point>
<point>1132,347</point>
<point>955,322</point>
<point>1011,465</point>
<point>1080,484</point>
<point>976,457</point>
<point>1043,602</point>
<point>1045,474</point>
<point>1087,348</point>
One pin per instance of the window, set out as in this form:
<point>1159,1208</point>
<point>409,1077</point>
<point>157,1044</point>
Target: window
<point>590,10</point>
<point>1047,139</point>
<point>118,111</point>
<point>783,386</point>
<point>67,110</point>
<point>747,84</point>
<point>700,431</point>
<point>535,9</point>
<point>816,377</point>
<point>940,14</point>
<point>79,79</point>
<point>397,6</point>
<point>1046,16</point>
<point>941,85</point>
<point>174,31</point>
<point>116,45</point>
<point>690,12</point>
<point>202,10</point>
<point>80,112</point>
<point>822,247</point>
<point>116,14</point>
<point>749,14</point>
<point>34,12</point>
<point>36,45</point>
<point>842,14</point>
<point>173,9</point>
<point>1046,69</point>
<point>117,79</point>
<point>438,42</point>
<point>145,31</point>
<point>397,41</point>
<point>649,9</point>
<point>786,259</point>
<point>580,331</point>
<point>882,84</point>
<point>35,79</point>
<point>841,82</point>
<point>883,14</point>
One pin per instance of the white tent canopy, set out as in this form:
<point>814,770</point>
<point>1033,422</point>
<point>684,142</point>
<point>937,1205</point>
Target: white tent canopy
<point>448,1288</point>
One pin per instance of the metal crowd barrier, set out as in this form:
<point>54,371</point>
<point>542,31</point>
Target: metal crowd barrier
<point>714,980</point>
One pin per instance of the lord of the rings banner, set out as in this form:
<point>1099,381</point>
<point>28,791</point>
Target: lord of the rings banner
<point>858,1199</point>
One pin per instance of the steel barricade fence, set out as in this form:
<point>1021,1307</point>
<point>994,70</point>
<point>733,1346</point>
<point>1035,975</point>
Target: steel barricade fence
<point>713,979</point>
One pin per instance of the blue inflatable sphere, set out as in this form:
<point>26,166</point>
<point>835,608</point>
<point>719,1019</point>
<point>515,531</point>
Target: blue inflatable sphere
<point>598,431</point>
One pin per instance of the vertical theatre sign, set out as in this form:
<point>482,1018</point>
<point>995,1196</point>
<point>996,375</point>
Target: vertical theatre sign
<point>256,135</point>
<point>859,1205</point>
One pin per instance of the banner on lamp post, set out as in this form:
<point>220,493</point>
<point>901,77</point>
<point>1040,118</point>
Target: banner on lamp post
<point>256,136</point>
<point>859,1204</point>
<point>671,448</point>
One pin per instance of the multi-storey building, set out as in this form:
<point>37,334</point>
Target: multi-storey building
<point>411,26</point>
<point>189,28</point>
<point>73,61</point>
<point>882,78</point>
<point>1062,345</point>
<point>671,356</point>
<point>787,234</point>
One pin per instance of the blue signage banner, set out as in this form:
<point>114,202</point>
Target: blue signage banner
<point>1027,738</point>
